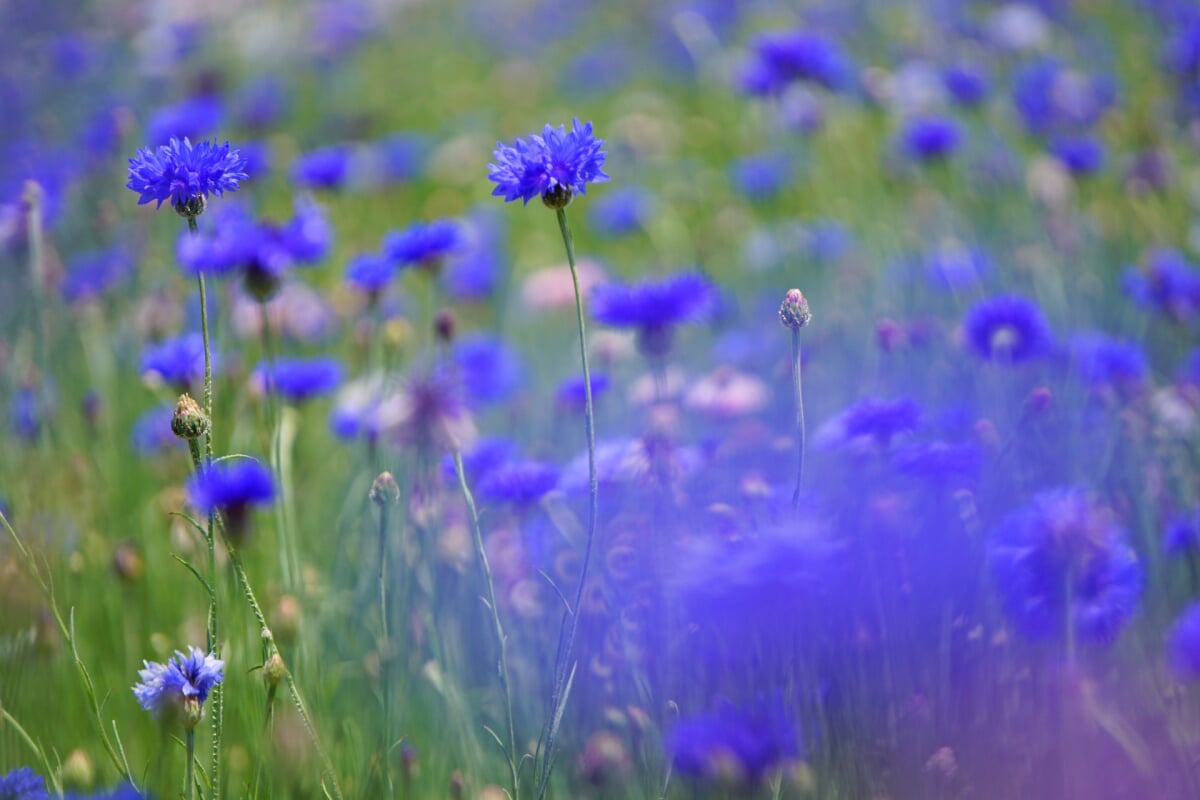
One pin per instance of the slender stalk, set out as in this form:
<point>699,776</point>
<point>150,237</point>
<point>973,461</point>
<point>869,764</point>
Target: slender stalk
<point>497,625</point>
<point>32,197</point>
<point>385,651</point>
<point>799,397</point>
<point>190,738</point>
<point>289,561</point>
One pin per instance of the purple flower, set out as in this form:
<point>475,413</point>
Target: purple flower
<point>178,361</point>
<point>521,483</point>
<point>428,412</point>
<point>23,784</point>
<point>1008,328</point>
<point>731,744</point>
<point>1183,644</point>
<point>1065,552</point>
<point>185,680</point>
<point>931,138</point>
<point>557,161</point>
<point>299,379</point>
<point>1182,535</point>
<point>779,58</point>
<point>231,487</point>
<point>423,243</point>
<point>185,175</point>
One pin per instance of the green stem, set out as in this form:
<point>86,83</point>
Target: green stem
<point>385,651</point>
<point>799,396</point>
<point>562,668</point>
<point>289,560</point>
<point>190,737</point>
<point>497,625</point>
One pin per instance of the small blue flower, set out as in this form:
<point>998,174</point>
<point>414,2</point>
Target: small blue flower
<point>967,84</point>
<point>1051,98</point>
<point>423,243</point>
<point>731,744</point>
<point>763,175</point>
<point>151,431</point>
<point>622,211</point>
<point>956,266</point>
<point>178,361</point>
<point>1081,155</point>
<point>1169,284</point>
<point>23,784</point>
<point>370,272</point>
<point>322,168</point>
<point>475,270</point>
<point>1101,360</point>
<point>1008,328</point>
<point>300,379</point>
<point>93,273</point>
<point>1182,535</point>
<point>931,138</point>
<point>521,483</point>
<point>124,791</point>
<point>940,462</point>
<point>570,392</point>
<point>782,57</point>
<point>182,173</point>
<point>1066,534</point>
<point>194,117</point>
<point>873,419</point>
<point>165,689</point>
<point>555,160</point>
<point>655,303</point>
<point>231,487</point>
<point>307,236</point>
<point>1183,644</point>
<point>490,369</point>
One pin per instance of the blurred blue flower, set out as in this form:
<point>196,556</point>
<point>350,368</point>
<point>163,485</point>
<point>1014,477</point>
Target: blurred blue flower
<point>570,392</point>
<point>261,101</point>
<point>870,419</point>
<point>178,361</point>
<point>484,456</point>
<point>90,274</point>
<point>779,58</point>
<point>307,236</point>
<point>151,432</point>
<point>399,157</point>
<point>188,119</point>
<point>182,173</point>
<point>1181,48</point>
<point>1182,535</point>
<point>124,791</point>
<point>27,413</point>
<point>231,487</point>
<point>23,784</point>
<point>940,462</point>
<point>622,211</point>
<point>733,745</point>
<point>1081,155</point>
<point>166,688</point>
<point>519,482</point>
<point>931,138</point>
<point>322,168</point>
<point>299,379</point>
<point>1065,535</point>
<point>490,369</point>
<point>1052,98</point>
<point>370,272</point>
<point>474,271</point>
<point>954,265</point>
<point>556,160</point>
<point>654,303</point>
<point>423,243</point>
<point>1169,284</point>
<point>356,408</point>
<point>1183,644</point>
<point>1008,328</point>
<point>967,84</point>
<point>1101,360</point>
<point>762,175</point>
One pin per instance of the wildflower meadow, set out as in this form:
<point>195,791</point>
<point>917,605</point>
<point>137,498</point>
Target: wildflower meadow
<point>648,399</point>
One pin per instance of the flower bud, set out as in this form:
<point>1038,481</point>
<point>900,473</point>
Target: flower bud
<point>127,561</point>
<point>274,670</point>
<point>445,325</point>
<point>192,207</point>
<point>193,712</point>
<point>385,490</point>
<point>189,420</point>
<point>557,197</point>
<point>78,771</point>
<point>794,312</point>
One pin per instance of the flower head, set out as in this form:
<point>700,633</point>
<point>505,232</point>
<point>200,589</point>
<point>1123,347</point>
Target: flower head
<point>555,163</point>
<point>299,379</point>
<point>231,487</point>
<point>733,745</point>
<point>1064,552</point>
<point>781,57</point>
<point>1007,328</point>
<point>423,243</point>
<point>654,306</point>
<point>1183,643</point>
<point>184,174</point>
<point>179,686</point>
<point>428,412</point>
<point>931,138</point>
<point>23,784</point>
<point>370,272</point>
<point>178,361</point>
<point>521,483</point>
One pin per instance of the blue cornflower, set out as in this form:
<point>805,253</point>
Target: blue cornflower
<point>1169,284</point>
<point>300,379</point>
<point>194,117</point>
<point>1007,328</point>
<point>622,211</point>
<point>93,273</point>
<point>307,236</point>
<point>1182,535</point>
<point>323,168</point>
<point>184,174</point>
<point>733,745</point>
<point>521,483</point>
<point>967,84</point>
<point>554,165</point>
<point>1101,360</point>
<point>474,271</point>
<point>423,243</point>
<point>781,57</point>
<point>570,392</point>
<point>151,431</point>
<point>1081,155</point>
<point>223,247</point>
<point>1066,534</point>
<point>180,686</point>
<point>490,369</point>
<point>23,784</point>
<point>124,791</point>
<point>1183,643</point>
<point>27,413</point>
<point>872,419</point>
<point>178,361</point>
<point>231,487</point>
<point>931,138</point>
<point>484,456</point>
<point>654,306</point>
<point>428,412</point>
<point>940,461</point>
<point>762,175</point>
<point>370,272</point>
<point>1052,98</point>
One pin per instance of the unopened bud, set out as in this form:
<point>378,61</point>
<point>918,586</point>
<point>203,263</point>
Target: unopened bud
<point>445,325</point>
<point>274,670</point>
<point>77,771</point>
<point>192,207</point>
<point>127,561</point>
<point>193,712</point>
<point>558,197</point>
<point>1038,401</point>
<point>189,420</point>
<point>458,785</point>
<point>794,312</point>
<point>385,491</point>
